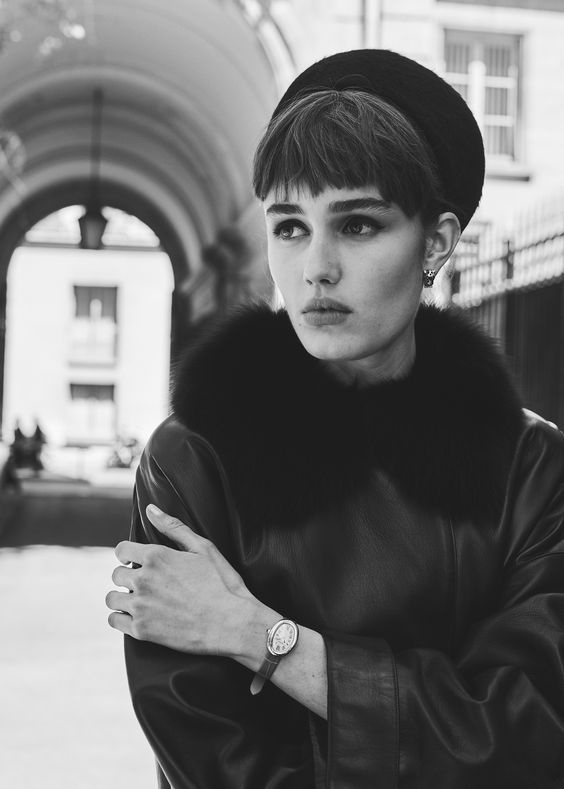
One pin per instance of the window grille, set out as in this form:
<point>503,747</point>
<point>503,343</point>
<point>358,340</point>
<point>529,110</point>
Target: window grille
<point>484,69</point>
<point>94,331</point>
<point>92,301</point>
<point>92,392</point>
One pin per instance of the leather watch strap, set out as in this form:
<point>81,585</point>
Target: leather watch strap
<point>264,673</point>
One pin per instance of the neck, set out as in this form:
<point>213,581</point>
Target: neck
<point>378,368</point>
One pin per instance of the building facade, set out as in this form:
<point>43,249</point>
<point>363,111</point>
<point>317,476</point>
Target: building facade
<point>88,345</point>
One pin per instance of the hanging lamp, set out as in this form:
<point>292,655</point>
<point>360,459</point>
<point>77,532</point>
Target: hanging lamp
<point>93,222</point>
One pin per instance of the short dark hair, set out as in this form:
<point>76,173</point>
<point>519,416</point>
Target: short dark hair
<point>348,139</point>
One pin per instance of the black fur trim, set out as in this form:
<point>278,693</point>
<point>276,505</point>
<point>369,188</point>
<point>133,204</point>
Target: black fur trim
<point>295,440</point>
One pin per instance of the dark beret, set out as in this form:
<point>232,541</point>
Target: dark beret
<point>437,112</point>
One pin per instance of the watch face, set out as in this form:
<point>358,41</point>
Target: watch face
<point>282,637</point>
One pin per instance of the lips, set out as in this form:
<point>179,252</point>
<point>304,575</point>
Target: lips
<point>325,312</point>
<point>325,305</point>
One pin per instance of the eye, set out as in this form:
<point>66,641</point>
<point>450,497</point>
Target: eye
<point>361,226</point>
<point>289,230</point>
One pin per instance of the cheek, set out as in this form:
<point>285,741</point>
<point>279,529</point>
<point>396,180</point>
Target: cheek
<point>279,285</point>
<point>406,279</point>
<point>409,264</point>
<point>273,263</point>
<point>392,280</point>
<point>282,273</point>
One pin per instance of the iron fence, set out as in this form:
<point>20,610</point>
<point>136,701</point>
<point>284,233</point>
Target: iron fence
<point>513,284</point>
<point>495,263</point>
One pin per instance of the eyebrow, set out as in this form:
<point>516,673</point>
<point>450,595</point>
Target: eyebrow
<point>338,207</point>
<point>284,208</point>
<point>357,203</point>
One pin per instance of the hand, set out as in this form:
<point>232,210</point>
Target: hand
<point>189,599</point>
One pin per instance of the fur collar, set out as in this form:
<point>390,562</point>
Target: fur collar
<point>294,440</point>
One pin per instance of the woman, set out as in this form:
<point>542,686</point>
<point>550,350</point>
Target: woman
<point>353,474</point>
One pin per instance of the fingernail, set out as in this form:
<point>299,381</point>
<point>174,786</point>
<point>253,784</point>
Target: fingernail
<point>154,510</point>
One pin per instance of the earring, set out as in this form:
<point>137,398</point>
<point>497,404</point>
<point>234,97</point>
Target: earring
<point>429,275</point>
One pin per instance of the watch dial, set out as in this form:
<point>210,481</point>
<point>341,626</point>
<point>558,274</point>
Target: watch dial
<point>283,638</point>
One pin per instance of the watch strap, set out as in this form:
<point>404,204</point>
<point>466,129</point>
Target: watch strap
<point>264,673</point>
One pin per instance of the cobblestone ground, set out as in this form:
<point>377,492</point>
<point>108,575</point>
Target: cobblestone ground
<point>65,714</point>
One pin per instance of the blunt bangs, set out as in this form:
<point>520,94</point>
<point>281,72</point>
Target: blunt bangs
<point>347,139</point>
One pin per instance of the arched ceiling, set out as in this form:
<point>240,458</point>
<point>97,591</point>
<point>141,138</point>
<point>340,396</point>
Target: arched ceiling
<point>187,87</point>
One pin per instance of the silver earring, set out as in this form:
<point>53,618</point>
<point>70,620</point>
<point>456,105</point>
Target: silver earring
<point>429,275</point>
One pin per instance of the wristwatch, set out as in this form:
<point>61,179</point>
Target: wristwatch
<point>281,639</point>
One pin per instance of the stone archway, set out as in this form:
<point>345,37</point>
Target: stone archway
<point>187,88</point>
<point>115,196</point>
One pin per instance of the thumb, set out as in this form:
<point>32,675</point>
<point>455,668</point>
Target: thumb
<point>172,528</point>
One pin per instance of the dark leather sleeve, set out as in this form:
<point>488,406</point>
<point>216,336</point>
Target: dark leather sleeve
<point>205,728</point>
<point>492,716</point>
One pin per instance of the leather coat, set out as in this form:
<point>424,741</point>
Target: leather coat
<point>444,624</point>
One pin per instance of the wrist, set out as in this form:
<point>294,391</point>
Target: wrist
<point>255,619</point>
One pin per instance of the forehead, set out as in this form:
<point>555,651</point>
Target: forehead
<point>330,199</point>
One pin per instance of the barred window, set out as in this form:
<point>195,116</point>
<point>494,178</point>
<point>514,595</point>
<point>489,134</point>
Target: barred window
<point>484,69</point>
<point>93,301</point>
<point>94,331</point>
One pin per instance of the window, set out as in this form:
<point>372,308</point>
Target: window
<point>93,301</point>
<point>94,328</point>
<point>484,69</point>
<point>92,414</point>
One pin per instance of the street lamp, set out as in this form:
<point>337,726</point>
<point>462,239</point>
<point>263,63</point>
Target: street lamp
<point>93,222</point>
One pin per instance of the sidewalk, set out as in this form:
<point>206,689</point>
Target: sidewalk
<point>66,720</point>
<point>118,480</point>
<point>108,482</point>
<point>56,509</point>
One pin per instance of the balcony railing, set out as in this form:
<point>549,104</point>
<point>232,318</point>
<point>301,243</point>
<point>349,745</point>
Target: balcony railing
<point>93,342</point>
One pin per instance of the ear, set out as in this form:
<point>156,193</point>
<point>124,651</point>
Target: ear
<point>441,239</point>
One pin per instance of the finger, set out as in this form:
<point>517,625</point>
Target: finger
<point>124,576</point>
<point>119,601</point>
<point>121,622</point>
<point>127,551</point>
<point>174,529</point>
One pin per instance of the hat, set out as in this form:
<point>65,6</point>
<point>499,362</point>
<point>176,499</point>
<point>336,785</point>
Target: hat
<point>434,108</point>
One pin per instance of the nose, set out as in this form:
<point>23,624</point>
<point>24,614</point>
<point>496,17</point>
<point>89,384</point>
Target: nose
<point>321,265</point>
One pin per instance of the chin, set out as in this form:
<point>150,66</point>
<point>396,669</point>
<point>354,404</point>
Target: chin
<point>328,348</point>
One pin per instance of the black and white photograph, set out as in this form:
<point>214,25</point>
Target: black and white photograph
<point>281,394</point>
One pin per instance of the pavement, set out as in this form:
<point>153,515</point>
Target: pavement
<point>76,521</point>
<point>66,720</point>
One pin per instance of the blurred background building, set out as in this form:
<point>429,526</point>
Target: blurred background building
<point>87,351</point>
